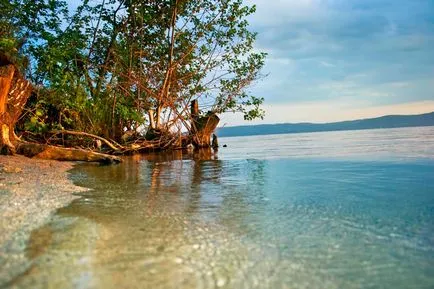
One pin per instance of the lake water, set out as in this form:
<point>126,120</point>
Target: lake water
<point>352,209</point>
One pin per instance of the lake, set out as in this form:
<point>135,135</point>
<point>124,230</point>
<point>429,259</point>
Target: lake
<point>350,209</point>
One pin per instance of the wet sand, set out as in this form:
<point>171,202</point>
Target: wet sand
<point>30,191</point>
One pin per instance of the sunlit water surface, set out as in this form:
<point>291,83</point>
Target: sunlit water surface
<point>320,210</point>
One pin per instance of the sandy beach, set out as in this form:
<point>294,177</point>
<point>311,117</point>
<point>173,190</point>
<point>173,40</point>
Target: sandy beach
<point>30,191</point>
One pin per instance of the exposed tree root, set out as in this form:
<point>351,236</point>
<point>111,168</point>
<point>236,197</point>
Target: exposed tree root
<point>79,133</point>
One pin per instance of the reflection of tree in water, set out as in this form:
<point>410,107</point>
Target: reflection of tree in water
<point>177,177</point>
<point>236,191</point>
<point>142,209</point>
<point>156,179</point>
<point>135,212</point>
<point>172,182</point>
<point>206,170</point>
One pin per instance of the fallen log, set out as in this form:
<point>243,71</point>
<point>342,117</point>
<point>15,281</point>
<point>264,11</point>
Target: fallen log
<point>48,152</point>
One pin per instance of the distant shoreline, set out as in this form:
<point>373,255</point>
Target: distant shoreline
<point>342,130</point>
<point>384,122</point>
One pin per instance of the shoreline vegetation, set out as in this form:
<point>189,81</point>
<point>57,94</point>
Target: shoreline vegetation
<point>122,77</point>
<point>31,190</point>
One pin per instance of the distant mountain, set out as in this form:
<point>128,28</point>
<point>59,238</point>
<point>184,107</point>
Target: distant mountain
<point>389,121</point>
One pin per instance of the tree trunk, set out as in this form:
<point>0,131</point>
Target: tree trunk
<point>151,119</point>
<point>157,117</point>
<point>194,109</point>
<point>14,92</point>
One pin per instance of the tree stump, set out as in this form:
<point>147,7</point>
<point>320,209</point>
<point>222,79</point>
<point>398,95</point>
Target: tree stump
<point>202,126</point>
<point>14,92</point>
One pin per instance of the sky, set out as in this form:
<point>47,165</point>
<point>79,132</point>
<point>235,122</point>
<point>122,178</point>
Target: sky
<point>332,60</point>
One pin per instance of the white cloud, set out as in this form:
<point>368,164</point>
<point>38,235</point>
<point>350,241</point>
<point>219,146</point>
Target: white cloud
<point>326,64</point>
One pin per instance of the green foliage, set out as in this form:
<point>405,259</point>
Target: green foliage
<point>102,67</point>
<point>7,44</point>
<point>37,120</point>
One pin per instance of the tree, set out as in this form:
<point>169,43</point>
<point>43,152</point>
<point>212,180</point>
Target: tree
<point>120,65</point>
<point>203,51</point>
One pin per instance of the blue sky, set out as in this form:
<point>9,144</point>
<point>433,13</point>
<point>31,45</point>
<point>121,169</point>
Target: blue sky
<point>333,60</point>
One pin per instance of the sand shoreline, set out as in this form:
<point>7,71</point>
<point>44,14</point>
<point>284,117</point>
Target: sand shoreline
<point>31,190</point>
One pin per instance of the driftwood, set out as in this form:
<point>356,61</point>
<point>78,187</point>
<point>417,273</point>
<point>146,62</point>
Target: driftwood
<point>64,154</point>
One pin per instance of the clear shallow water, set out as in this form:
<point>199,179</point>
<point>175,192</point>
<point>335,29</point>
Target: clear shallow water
<point>323,210</point>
